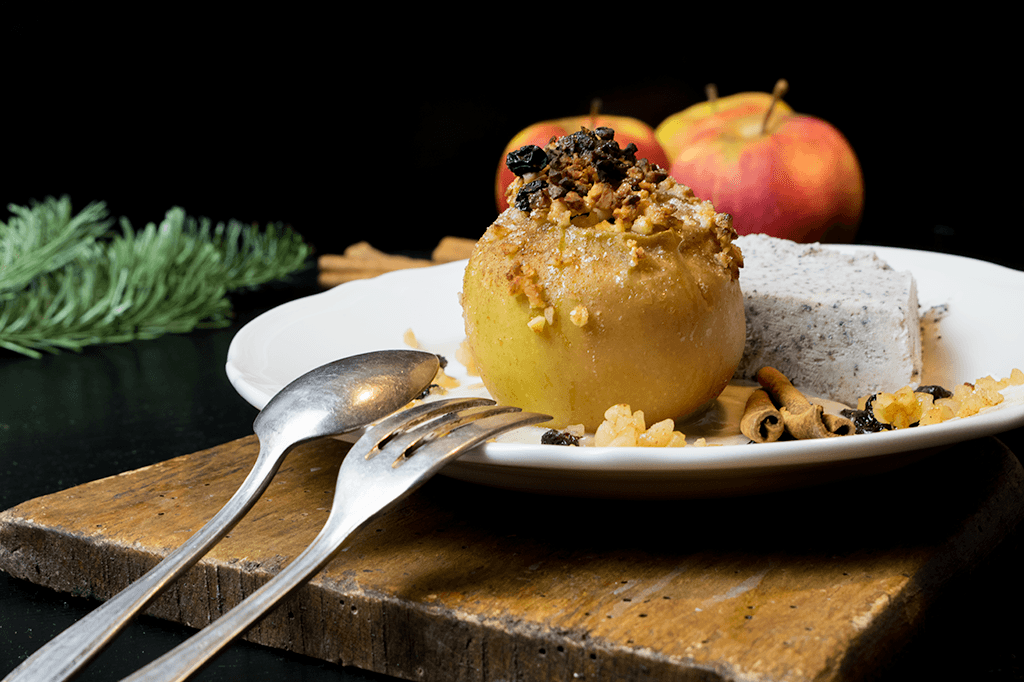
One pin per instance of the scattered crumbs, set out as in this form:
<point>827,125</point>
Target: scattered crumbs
<point>935,313</point>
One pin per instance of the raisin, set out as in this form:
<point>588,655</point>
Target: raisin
<point>523,197</point>
<point>527,159</point>
<point>569,167</point>
<point>554,437</point>
<point>936,392</point>
<point>425,393</point>
<point>864,421</point>
<point>581,142</point>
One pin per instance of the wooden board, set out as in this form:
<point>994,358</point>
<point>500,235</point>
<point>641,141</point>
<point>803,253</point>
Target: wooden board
<point>463,582</point>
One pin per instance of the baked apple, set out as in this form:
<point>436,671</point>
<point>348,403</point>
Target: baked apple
<point>605,282</point>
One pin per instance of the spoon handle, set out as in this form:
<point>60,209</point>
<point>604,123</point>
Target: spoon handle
<point>71,650</point>
<point>185,659</point>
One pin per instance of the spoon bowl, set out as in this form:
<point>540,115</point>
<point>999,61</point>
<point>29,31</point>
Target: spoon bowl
<point>344,395</point>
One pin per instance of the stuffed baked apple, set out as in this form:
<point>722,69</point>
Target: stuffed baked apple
<point>605,282</point>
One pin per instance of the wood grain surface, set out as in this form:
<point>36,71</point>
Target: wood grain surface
<point>463,582</point>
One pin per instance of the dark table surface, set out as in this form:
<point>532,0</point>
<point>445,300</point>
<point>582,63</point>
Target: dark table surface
<point>71,418</point>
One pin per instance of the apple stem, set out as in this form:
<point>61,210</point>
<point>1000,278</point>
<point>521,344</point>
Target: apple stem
<point>711,90</point>
<point>780,89</point>
<point>595,110</point>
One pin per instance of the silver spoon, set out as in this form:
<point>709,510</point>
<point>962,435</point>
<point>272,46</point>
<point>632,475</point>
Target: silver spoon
<point>332,399</point>
<point>394,457</point>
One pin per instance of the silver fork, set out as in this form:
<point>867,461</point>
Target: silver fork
<point>391,459</point>
<point>332,399</point>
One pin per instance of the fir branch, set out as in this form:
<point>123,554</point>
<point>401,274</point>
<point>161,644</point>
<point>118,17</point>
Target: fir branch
<point>251,257</point>
<point>45,238</point>
<point>166,278</point>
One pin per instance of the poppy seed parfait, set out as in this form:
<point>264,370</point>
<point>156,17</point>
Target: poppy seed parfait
<point>605,282</point>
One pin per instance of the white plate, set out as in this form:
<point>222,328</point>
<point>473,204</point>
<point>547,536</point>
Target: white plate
<point>981,334</point>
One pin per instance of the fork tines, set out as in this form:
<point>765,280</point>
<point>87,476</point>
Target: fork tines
<point>471,419</point>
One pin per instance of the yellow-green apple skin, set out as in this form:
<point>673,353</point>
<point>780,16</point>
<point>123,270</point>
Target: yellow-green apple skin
<point>627,129</point>
<point>664,334</point>
<point>677,132</point>
<point>797,178</point>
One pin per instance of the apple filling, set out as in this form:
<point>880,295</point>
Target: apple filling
<point>605,283</point>
<point>586,180</point>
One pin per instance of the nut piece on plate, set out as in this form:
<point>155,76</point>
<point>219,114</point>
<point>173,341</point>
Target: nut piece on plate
<point>605,282</point>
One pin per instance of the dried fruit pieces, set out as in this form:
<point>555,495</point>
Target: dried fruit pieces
<point>571,435</point>
<point>587,172</point>
<point>926,405</point>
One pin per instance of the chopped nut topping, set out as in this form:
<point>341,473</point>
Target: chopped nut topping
<point>522,280</point>
<point>586,183</point>
<point>586,180</point>
<point>579,315</point>
<point>636,253</point>
<point>624,428</point>
<point>587,172</point>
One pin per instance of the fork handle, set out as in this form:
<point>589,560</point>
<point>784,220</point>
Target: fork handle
<point>192,654</point>
<point>363,491</point>
<point>67,653</point>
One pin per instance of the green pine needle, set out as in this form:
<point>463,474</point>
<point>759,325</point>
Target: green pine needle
<point>67,281</point>
<point>45,238</point>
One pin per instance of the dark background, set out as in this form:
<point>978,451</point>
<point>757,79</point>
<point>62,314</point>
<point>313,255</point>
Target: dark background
<point>350,131</point>
<point>389,129</point>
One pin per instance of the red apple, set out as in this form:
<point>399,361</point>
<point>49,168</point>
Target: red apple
<point>775,171</point>
<point>626,129</point>
<point>676,132</point>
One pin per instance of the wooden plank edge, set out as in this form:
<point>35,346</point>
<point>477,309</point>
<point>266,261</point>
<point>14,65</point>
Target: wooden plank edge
<point>978,537</point>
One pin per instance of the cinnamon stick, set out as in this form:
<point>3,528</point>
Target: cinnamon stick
<point>361,261</point>
<point>801,418</point>
<point>452,248</point>
<point>362,255</point>
<point>332,278</point>
<point>761,421</point>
